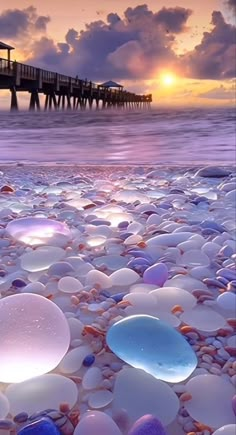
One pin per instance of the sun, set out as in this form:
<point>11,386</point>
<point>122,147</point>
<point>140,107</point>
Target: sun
<point>168,79</point>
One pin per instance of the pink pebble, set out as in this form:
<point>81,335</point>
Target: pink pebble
<point>147,425</point>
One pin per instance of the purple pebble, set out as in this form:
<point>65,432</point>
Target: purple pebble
<point>234,404</point>
<point>156,274</point>
<point>147,425</point>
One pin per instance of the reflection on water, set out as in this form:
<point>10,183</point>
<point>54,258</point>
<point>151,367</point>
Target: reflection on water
<point>183,136</point>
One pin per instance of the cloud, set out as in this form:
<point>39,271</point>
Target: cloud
<point>231,5</point>
<point>214,57</point>
<point>137,45</point>
<point>16,23</point>
<point>220,93</point>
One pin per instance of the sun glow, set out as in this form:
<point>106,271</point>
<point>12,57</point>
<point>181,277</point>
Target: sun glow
<point>168,79</point>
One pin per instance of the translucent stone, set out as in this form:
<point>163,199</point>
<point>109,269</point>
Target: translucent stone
<point>195,257</point>
<point>96,422</point>
<point>130,196</point>
<point>69,284</point>
<point>156,274</point>
<point>211,402</point>
<point>43,392</point>
<point>94,242</point>
<point>186,282</point>
<point>123,277</point>
<point>76,328</point>
<point>203,318</point>
<point>169,239</point>
<point>92,378</point>
<point>147,343</point>
<point>96,277</point>
<point>142,288</point>
<point>34,287</point>
<point>34,336</point>
<point>147,425</point>
<point>116,218</point>
<point>73,360</point>
<point>141,300</point>
<point>4,406</point>
<point>112,262</point>
<point>168,297</point>
<point>100,399</point>
<point>229,429</point>
<point>227,301</point>
<point>42,258</point>
<point>211,249</point>
<point>139,393</point>
<point>133,240</point>
<point>36,231</point>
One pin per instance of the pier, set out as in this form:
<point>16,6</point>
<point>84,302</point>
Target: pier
<point>61,92</point>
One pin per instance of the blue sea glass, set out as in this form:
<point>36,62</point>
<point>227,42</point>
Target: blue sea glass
<point>43,426</point>
<point>147,343</point>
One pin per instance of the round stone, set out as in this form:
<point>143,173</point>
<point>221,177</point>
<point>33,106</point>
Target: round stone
<point>144,395</point>
<point>194,257</point>
<point>36,231</point>
<point>156,274</point>
<point>227,301</point>
<point>203,318</point>
<point>124,277</point>
<point>150,344</point>
<point>229,429</point>
<point>43,392</point>
<point>100,399</point>
<point>92,378</point>
<point>34,336</point>
<point>69,284</point>
<point>168,297</point>
<point>42,258</point>
<point>96,422</point>
<point>211,401</point>
<point>147,425</point>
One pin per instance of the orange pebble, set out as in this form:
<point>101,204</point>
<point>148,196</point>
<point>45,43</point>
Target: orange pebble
<point>6,189</point>
<point>88,329</point>
<point>202,427</point>
<point>185,397</point>
<point>124,304</point>
<point>49,297</point>
<point>177,309</point>
<point>232,322</point>
<point>142,244</point>
<point>185,329</point>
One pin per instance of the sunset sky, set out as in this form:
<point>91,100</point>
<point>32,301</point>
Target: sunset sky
<point>182,51</point>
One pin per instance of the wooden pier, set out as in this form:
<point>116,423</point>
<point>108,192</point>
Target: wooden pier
<point>62,92</point>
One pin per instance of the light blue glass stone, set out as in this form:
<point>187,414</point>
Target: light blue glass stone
<point>147,343</point>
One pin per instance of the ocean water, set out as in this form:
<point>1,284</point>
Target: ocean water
<point>155,136</point>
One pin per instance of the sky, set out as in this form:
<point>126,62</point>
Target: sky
<point>181,51</point>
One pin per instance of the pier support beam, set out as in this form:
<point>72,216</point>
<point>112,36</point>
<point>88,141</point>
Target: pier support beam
<point>14,102</point>
<point>34,101</point>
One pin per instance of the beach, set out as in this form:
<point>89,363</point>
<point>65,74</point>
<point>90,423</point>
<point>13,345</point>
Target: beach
<point>113,248</point>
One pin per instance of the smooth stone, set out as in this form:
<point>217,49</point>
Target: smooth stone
<point>76,328</point>
<point>42,258</point>
<point>227,301</point>
<point>35,230</point>
<point>124,277</point>
<point>203,318</point>
<point>96,422</point>
<point>148,343</point>
<point>142,288</point>
<point>141,300</point>
<point>168,297</point>
<point>194,258</point>
<point>61,268</point>
<point>212,172</point>
<point>92,378</point>
<point>169,239</point>
<point>73,360</point>
<point>185,282</point>
<point>112,262</point>
<point>147,425</point>
<point>47,391</point>
<point>211,402</point>
<point>69,284</point>
<point>100,399</point>
<point>212,225</point>
<point>96,277</point>
<point>34,336</point>
<point>228,429</point>
<point>231,341</point>
<point>156,274</point>
<point>34,287</point>
<point>144,395</point>
<point>231,196</point>
<point>4,405</point>
<point>43,426</point>
<point>88,360</point>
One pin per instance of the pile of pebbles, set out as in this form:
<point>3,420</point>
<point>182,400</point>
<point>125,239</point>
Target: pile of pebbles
<point>105,243</point>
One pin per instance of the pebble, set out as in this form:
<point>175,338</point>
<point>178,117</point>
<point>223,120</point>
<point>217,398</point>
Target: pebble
<point>43,426</point>
<point>147,425</point>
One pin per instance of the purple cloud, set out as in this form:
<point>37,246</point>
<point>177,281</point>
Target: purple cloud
<point>214,57</point>
<point>16,23</point>
<point>220,93</point>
